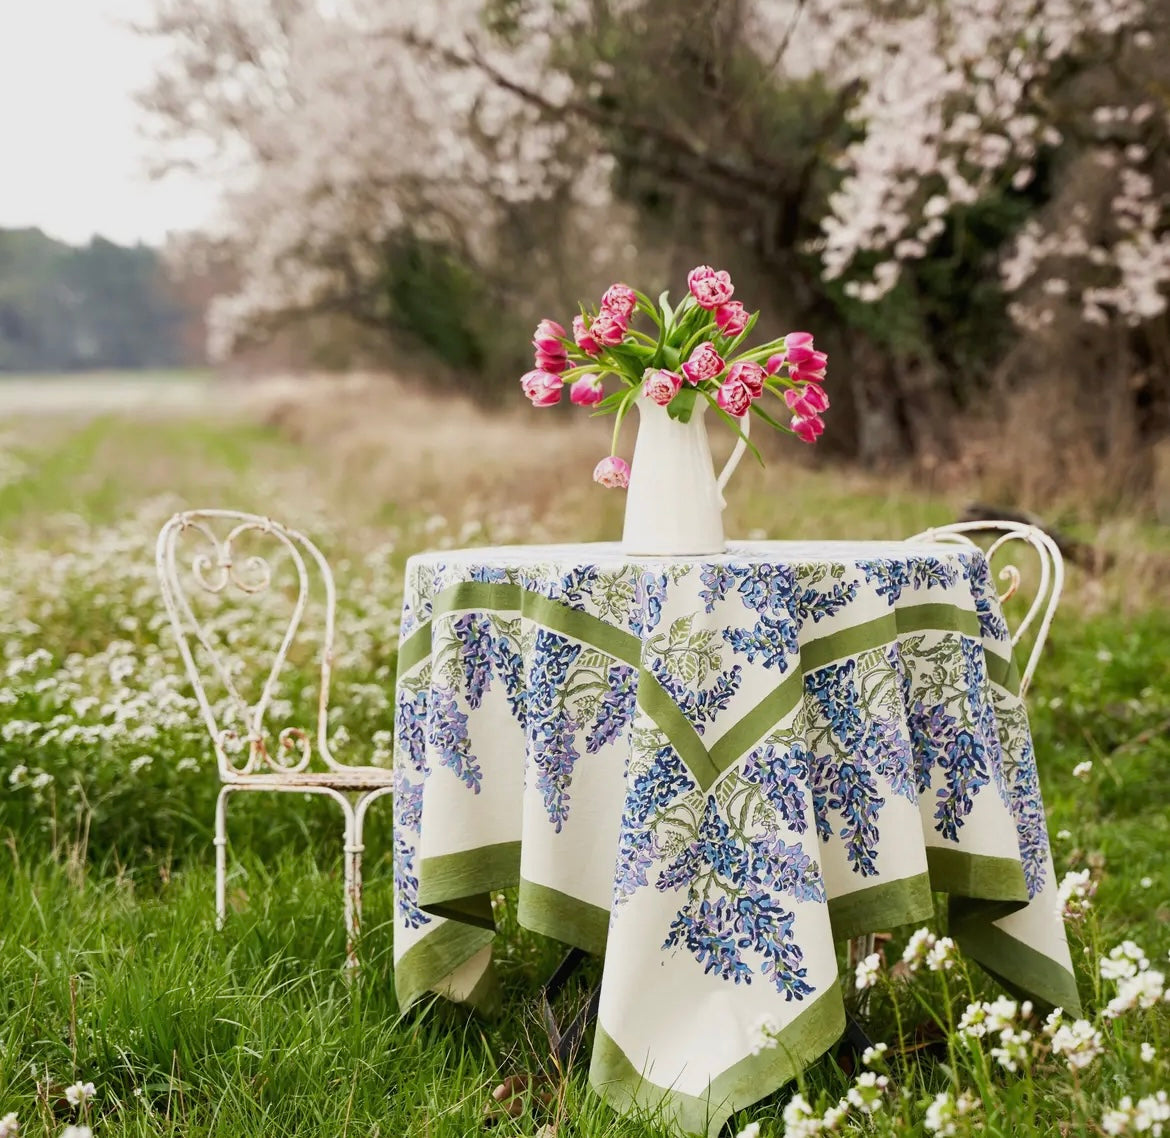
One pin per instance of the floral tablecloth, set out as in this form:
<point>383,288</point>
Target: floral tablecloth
<point>708,771</point>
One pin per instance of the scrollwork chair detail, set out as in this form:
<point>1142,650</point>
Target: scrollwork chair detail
<point>1044,605</point>
<point>245,759</point>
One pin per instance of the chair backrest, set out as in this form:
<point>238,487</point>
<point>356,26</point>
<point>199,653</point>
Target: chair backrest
<point>1051,574</point>
<point>216,566</point>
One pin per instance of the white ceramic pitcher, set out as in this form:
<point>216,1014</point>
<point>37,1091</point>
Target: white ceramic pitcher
<point>674,504</point>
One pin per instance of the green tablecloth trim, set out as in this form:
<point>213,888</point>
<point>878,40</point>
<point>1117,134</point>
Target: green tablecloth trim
<point>457,884</point>
<point>987,878</point>
<point>883,906</point>
<point>1023,971</point>
<point>621,1083</point>
<point>705,765</point>
<point>427,962</point>
<point>564,918</point>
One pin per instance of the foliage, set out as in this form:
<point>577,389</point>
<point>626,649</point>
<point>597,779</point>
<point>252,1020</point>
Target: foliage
<point>100,306</point>
<point>110,968</point>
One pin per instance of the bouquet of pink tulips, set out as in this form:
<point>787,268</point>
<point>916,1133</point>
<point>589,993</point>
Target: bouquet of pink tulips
<point>691,353</point>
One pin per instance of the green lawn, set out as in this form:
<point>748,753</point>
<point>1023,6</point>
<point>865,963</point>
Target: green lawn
<point>111,970</point>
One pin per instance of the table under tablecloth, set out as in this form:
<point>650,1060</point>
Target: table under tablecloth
<point>708,771</point>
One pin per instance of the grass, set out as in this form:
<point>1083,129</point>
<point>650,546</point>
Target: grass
<point>110,968</point>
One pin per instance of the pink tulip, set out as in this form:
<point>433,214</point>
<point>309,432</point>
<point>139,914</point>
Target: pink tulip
<point>705,363</point>
<point>750,374</point>
<point>808,429</point>
<point>800,356</point>
<point>584,338</point>
<point>775,363</point>
<point>548,337</point>
<point>542,387</point>
<point>587,391</point>
<point>660,385</point>
<point>608,328</point>
<point>612,472</point>
<point>555,362</point>
<point>798,404</point>
<point>734,397</point>
<point>732,318</point>
<point>816,398</point>
<point>708,287</point>
<point>621,300</point>
<point>798,340</point>
<point>799,375</point>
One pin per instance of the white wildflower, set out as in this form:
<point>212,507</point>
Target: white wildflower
<point>973,1022</point>
<point>1151,1112</point>
<point>866,1093</point>
<point>800,1121</point>
<point>942,954</point>
<point>1083,770</point>
<point>920,943</point>
<point>874,1054</point>
<point>1053,1021</point>
<point>764,1034</point>
<point>1141,991</point>
<point>1001,1013</point>
<point>1125,960</point>
<point>1146,882</point>
<point>1149,1052</point>
<point>1075,892</point>
<point>751,1130</point>
<point>40,781</point>
<point>9,1126</point>
<point>1063,835</point>
<point>140,763</point>
<point>1013,1051</point>
<point>833,1117</point>
<point>80,1093</point>
<point>1115,1122</point>
<point>868,971</point>
<point>187,765</point>
<point>77,1132</point>
<point>16,775</point>
<point>1079,1042</point>
<point>943,1114</point>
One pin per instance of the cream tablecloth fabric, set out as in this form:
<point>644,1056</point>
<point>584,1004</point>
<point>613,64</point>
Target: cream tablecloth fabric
<point>708,771</point>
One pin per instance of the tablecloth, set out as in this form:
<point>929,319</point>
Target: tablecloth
<point>708,771</point>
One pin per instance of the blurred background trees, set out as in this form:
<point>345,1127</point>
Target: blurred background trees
<point>966,200</point>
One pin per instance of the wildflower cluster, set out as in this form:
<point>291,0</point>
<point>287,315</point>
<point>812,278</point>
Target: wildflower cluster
<point>694,354</point>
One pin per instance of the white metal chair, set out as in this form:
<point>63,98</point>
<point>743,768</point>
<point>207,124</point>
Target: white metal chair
<point>1044,605</point>
<point>259,757</point>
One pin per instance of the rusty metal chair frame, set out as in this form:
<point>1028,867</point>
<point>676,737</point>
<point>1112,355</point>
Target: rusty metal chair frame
<point>289,766</point>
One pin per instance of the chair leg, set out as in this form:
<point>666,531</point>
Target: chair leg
<point>221,856</point>
<point>354,848</point>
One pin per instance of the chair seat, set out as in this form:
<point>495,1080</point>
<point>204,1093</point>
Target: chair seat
<point>354,778</point>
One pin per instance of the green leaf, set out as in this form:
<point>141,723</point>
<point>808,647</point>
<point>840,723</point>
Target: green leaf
<point>682,406</point>
<point>758,410</point>
<point>747,331</point>
<point>670,358</point>
<point>680,631</point>
<point>733,423</point>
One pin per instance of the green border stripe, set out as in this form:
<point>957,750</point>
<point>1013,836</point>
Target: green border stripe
<point>619,1081</point>
<point>583,626</point>
<point>884,906</point>
<point>553,913</point>
<point>655,701</point>
<point>1002,671</point>
<point>730,748</point>
<point>884,629</point>
<point>966,874</point>
<point>449,879</point>
<point>429,962</point>
<point>414,649</point>
<point>1021,969</point>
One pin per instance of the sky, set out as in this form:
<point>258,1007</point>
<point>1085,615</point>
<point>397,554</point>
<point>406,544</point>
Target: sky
<point>72,157</point>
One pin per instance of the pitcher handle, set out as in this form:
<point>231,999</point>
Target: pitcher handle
<point>732,462</point>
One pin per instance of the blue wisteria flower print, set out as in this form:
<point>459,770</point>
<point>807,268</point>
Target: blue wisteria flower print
<point>694,760</point>
<point>734,921</point>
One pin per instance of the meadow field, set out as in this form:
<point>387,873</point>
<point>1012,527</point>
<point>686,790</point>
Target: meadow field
<point>111,971</point>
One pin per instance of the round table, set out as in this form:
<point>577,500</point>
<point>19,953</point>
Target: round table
<point>708,771</point>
